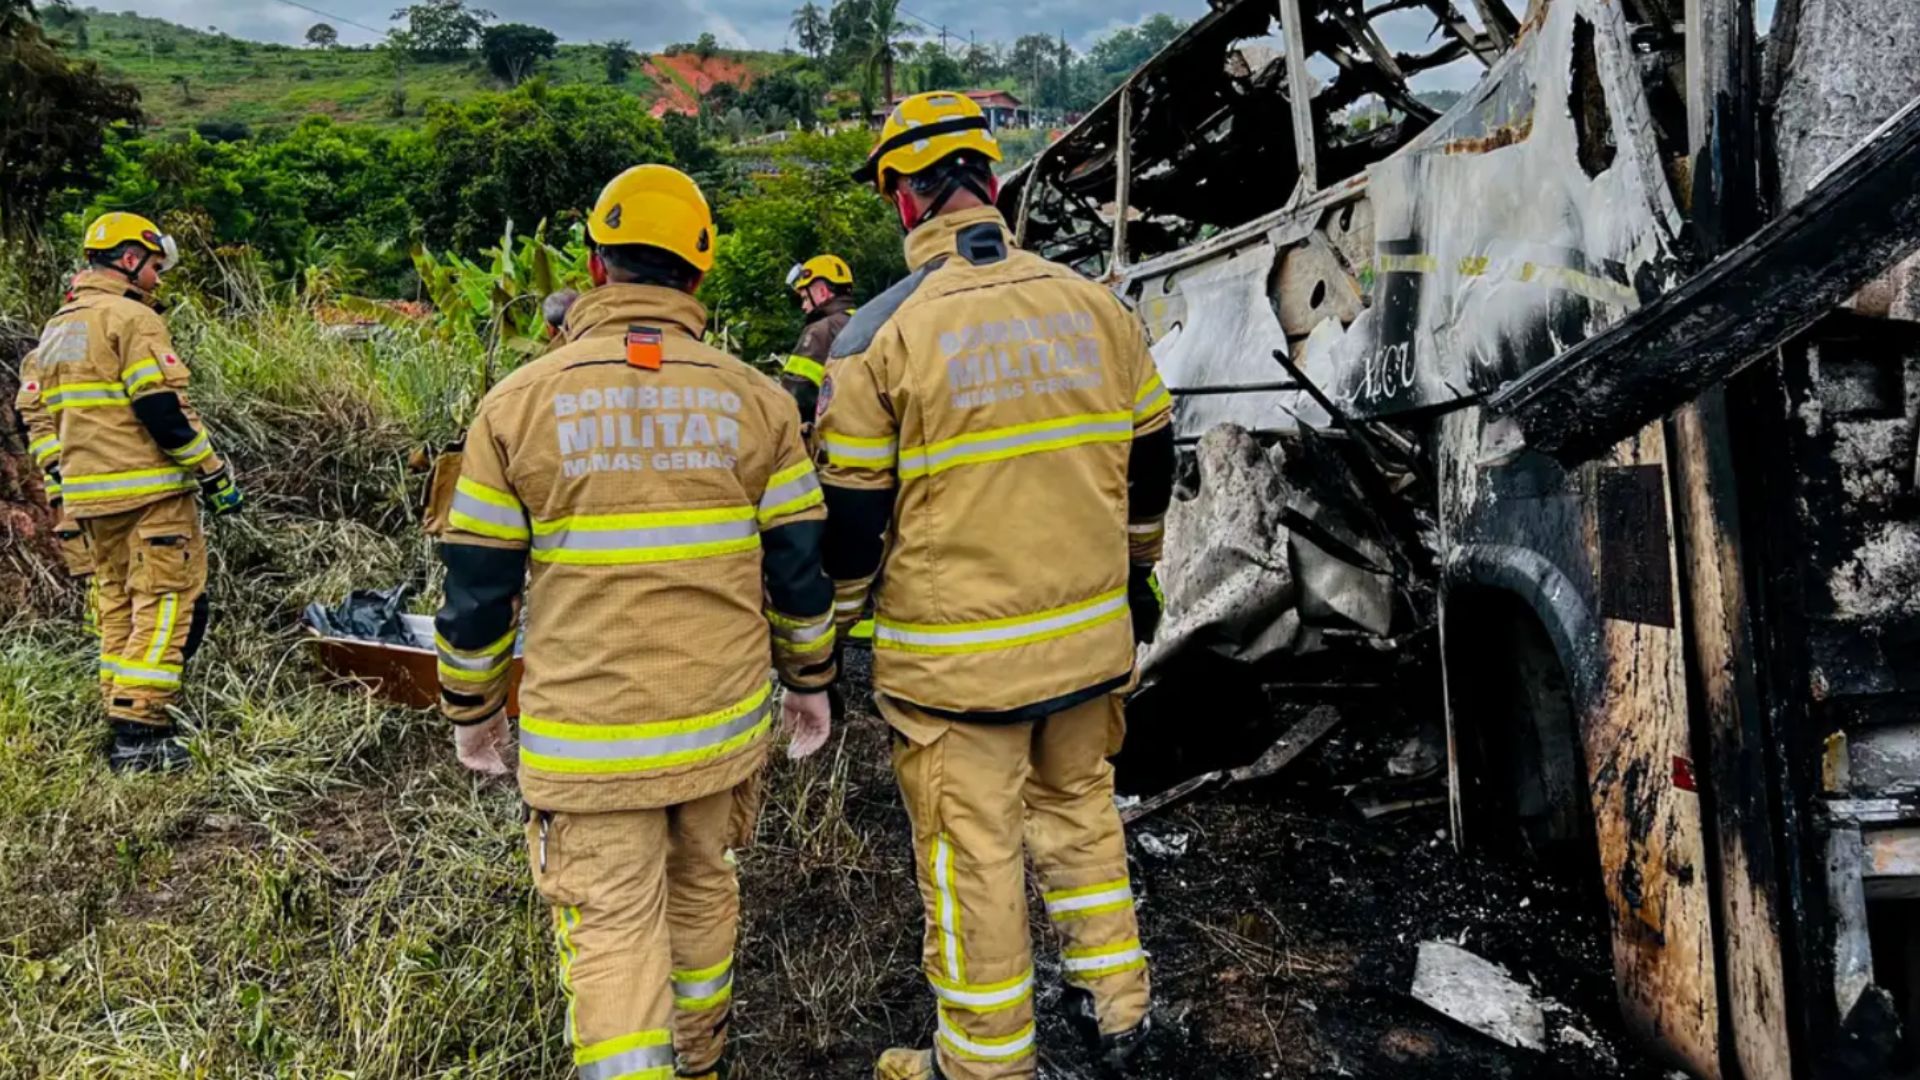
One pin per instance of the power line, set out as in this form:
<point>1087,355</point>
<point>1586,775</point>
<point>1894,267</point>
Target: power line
<point>335,18</point>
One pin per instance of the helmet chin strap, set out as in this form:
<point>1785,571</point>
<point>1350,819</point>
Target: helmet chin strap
<point>913,217</point>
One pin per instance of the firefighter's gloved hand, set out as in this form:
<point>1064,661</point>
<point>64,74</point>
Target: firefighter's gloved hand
<point>808,719</point>
<point>220,494</point>
<point>485,747</point>
<point>1146,601</point>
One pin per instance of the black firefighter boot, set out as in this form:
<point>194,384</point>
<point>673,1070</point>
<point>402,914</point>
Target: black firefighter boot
<point>142,748</point>
<point>1111,1051</point>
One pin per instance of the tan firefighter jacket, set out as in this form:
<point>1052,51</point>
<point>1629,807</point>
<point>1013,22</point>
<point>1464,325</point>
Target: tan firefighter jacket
<point>976,423</point>
<point>660,493</point>
<point>100,355</point>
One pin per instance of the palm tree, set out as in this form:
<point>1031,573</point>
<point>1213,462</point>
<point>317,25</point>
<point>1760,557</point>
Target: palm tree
<point>812,31</point>
<point>884,28</point>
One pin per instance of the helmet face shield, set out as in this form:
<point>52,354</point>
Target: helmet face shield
<point>797,275</point>
<point>169,254</point>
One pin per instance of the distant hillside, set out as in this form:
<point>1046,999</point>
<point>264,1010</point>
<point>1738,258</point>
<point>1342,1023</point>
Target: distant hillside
<point>192,77</point>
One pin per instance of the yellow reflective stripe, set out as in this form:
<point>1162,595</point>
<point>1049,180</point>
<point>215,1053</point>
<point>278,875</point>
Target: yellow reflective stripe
<point>564,920</point>
<point>195,452</point>
<point>806,367</point>
<point>44,448</point>
<point>984,997</point>
<point>128,673</point>
<point>947,908</point>
<point>450,673</point>
<point>697,991</point>
<point>163,628</point>
<point>1089,900</point>
<point>980,1048</point>
<point>1018,440</point>
<point>1152,398</point>
<point>1001,633</point>
<point>625,539</point>
<point>790,491</point>
<point>486,511</point>
<point>103,486</point>
<point>643,1055</point>
<point>561,747</point>
<point>141,375</point>
<point>472,659</point>
<point>1098,962</point>
<point>791,635</point>
<point>853,452</point>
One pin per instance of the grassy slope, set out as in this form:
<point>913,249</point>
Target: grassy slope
<point>230,80</point>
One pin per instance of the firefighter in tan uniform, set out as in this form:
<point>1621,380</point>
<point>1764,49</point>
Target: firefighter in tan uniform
<point>105,400</point>
<point>823,285</point>
<point>43,445</point>
<point>994,431</point>
<point>660,494</point>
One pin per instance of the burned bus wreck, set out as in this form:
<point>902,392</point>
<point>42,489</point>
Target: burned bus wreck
<point>1621,375</point>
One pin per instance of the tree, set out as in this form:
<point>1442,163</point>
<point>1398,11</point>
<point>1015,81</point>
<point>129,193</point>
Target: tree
<point>322,36</point>
<point>884,31</point>
<point>707,46</point>
<point>850,22</point>
<point>513,50</point>
<point>618,57</point>
<point>1119,54</point>
<point>55,116</point>
<point>536,152</point>
<point>939,70</point>
<point>812,32</point>
<point>439,29</point>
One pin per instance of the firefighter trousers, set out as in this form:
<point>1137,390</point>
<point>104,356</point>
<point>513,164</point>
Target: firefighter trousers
<point>645,908</point>
<point>150,580</point>
<point>978,794</point>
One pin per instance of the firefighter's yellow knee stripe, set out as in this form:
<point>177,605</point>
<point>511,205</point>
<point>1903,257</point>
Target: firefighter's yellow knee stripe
<point>806,367</point>
<point>97,487</point>
<point>977,1048</point>
<point>1089,900</point>
<point>643,1055</point>
<point>1001,633</point>
<point>1100,961</point>
<point>603,749</point>
<point>1018,440</point>
<point>983,997</point>
<point>698,991</point>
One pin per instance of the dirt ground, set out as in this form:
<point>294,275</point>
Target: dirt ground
<point>1283,938</point>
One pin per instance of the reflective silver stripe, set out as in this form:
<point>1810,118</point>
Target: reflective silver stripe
<point>1104,963</point>
<point>701,990</point>
<point>657,536</point>
<point>793,491</point>
<point>641,1061</point>
<point>1118,895</point>
<point>947,906</point>
<point>984,999</point>
<point>482,660</point>
<point>1146,530</point>
<point>846,606</point>
<point>163,628</point>
<point>644,746</point>
<point>917,461</point>
<point>1019,1044</point>
<point>1010,630</point>
<point>859,452</point>
<point>191,453</point>
<point>464,503</point>
<point>140,374</point>
<point>62,399</point>
<point>128,483</point>
<point>805,635</point>
<point>128,670</point>
<point>45,448</point>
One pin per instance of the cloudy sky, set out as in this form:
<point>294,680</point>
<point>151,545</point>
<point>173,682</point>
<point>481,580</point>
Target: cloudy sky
<point>760,24</point>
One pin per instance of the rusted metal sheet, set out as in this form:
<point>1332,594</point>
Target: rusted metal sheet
<point>407,675</point>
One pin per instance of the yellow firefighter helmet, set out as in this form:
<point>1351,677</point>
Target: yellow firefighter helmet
<point>828,268</point>
<point>659,206</point>
<point>925,130</point>
<point>109,231</point>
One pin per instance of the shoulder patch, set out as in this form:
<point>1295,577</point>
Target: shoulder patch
<point>825,399</point>
<point>867,323</point>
